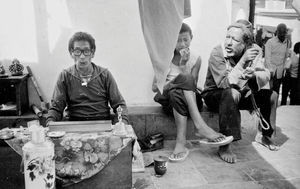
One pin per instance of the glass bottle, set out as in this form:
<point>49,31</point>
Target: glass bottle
<point>119,127</point>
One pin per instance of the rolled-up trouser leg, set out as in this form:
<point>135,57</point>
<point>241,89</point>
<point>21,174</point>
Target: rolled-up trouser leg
<point>178,101</point>
<point>177,86</point>
<point>225,102</point>
<point>229,113</point>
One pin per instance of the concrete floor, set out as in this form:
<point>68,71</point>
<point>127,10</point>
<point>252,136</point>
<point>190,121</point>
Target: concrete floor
<point>256,168</point>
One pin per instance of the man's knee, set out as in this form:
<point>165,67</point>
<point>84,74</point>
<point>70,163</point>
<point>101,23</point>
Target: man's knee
<point>176,95</point>
<point>185,81</point>
<point>178,101</point>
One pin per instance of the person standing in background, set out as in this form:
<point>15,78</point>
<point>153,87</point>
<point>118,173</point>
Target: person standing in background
<point>291,80</point>
<point>276,53</point>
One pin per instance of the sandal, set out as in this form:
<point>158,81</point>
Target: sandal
<point>225,141</point>
<point>174,157</point>
<point>268,143</point>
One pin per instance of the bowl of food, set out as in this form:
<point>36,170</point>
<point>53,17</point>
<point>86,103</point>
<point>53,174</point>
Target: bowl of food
<point>6,134</point>
<point>56,134</point>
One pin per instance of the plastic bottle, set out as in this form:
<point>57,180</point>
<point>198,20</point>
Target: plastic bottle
<point>38,157</point>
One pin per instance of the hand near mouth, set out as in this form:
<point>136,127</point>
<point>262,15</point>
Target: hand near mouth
<point>185,55</point>
<point>250,54</point>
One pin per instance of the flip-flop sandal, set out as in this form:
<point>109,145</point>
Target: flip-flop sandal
<point>226,141</point>
<point>185,155</point>
<point>272,147</point>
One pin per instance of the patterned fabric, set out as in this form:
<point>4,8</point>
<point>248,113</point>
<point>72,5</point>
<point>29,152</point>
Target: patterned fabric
<point>79,156</point>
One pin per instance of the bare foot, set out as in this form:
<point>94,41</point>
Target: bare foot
<point>180,153</point>
<point>267,142</point>
<point>226,154</point>
<point>210,135</point>
<point>179,147</point>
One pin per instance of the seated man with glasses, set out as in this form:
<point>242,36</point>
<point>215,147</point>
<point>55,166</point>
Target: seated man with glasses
<point>85,90</point>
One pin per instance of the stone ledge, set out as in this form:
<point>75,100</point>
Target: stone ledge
<point>147,120</point>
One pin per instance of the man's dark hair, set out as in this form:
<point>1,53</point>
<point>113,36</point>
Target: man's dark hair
<point>297,48</point>
<point>186,28</point>
<point>247,34</point>
<point>281,32</point>
<point>82,36</point>
<point>281,28</point>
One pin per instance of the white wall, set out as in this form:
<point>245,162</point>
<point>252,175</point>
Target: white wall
<point>209,21</point>
<point>37,33</point>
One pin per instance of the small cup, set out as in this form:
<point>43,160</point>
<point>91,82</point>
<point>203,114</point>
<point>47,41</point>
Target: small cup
<point>160,165</point>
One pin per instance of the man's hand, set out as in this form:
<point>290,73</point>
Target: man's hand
<point>248,73</point>
<point>250,54</point>
<point>185,56</point>
<point>49,121</point>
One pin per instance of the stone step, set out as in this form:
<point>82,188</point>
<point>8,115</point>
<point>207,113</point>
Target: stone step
<point>148,120</point>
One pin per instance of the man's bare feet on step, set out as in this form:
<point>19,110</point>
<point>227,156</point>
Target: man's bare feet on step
<point>226,154</point>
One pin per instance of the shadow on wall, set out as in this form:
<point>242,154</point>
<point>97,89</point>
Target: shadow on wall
<point>46,28</point>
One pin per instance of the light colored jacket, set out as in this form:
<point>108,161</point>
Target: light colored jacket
<point>223,71</point>
<point>276,54</point>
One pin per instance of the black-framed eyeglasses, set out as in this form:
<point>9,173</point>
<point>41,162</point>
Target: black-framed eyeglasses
<point>85,52</point>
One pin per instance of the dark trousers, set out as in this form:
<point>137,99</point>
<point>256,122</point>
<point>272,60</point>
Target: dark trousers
<point>173,95</point>
<point>289,85</point>
<point>286,88</point>
<point>294,93</point>
<point>276,84</point>
<point>228,102</point>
